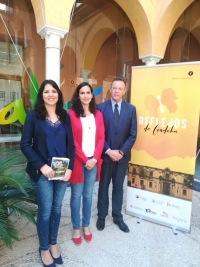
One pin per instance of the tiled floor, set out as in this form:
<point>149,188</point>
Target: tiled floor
<point>147,245</point>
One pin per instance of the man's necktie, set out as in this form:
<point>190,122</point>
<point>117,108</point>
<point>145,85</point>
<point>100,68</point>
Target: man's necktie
<point>116,114</point>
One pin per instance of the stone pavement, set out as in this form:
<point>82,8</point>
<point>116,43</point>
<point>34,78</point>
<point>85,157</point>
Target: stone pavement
<point>147,245</point>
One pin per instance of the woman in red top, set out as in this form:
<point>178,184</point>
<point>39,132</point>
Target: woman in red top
<point>88,132</point>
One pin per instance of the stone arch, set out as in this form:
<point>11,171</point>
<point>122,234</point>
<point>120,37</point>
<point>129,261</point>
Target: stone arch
<point>190,25</point>
<point>74,44</point>
<point>93,47</point>
<point>59,16</point>
<point>184,40</point>
<point>53,14</point>
<point>196,32</point>
<point>184,45</point>
<point>96,36</point>
<point>138,15</point>
<point>165,26</point>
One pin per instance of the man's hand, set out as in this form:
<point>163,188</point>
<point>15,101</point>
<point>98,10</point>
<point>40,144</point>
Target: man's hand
<point>67,175</point>
<point>114,155</point>
<point>90,164</point>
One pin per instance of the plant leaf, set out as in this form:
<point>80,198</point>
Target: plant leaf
<point>7,183</point>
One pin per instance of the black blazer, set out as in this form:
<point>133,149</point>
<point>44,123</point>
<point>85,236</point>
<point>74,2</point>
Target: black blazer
<point>33,144</point>
<point>123,137</point>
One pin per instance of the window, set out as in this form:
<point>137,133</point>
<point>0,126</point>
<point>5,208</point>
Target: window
<point>134,170</point>
<point>185,181</point>
<point>16,90</point>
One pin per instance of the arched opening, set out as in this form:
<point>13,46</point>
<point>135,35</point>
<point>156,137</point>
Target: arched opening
<point>184,43</point>
<point>105,45</point>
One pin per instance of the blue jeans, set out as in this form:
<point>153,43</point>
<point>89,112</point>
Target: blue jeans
<point>49,196</point>
<point>85,189</point>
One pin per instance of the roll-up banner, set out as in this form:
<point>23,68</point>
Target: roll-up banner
<point>161,170</point>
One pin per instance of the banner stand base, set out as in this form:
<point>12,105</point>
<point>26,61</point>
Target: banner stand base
<point>174,231</point>
<point>139,220</point>
<point>140,217</point>
<point>173,228</point>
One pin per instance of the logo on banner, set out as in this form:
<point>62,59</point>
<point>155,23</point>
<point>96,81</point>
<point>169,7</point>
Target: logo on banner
<point>164,214</point>
<point>142,198</point>
<point>150,211</point>
<point>179,219</point>
<point>173,206</point>
<point>157,202</point>
<point>134,207</point>
<point>190,73</point>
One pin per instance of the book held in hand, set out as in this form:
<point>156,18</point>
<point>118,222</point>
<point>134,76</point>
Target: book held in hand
<point>59,166</point>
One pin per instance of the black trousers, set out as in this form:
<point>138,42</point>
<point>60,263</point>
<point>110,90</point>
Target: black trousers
<point>115,171</point>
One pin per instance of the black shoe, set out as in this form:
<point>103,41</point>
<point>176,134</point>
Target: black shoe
<point>100,224</point>
<point>57,260</point>
<point>45,265</point>
<point>122,226</point>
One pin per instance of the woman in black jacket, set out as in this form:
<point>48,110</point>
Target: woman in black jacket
<point>47,133</point>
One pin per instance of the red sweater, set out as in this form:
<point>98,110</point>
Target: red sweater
<point>80,157</point>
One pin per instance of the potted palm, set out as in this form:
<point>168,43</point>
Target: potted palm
<point>17,195</point>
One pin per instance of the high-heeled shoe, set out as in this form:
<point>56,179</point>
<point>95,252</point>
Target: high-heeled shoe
<point>45,265</point>
<point>57,260</point>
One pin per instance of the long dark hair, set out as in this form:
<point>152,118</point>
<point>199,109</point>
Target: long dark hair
<point>76,103</point>
<point>40,107</point>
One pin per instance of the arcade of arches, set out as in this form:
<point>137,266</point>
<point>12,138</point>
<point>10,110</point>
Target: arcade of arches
<point>85,40</point>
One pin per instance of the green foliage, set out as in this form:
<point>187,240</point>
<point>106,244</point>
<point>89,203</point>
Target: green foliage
<point>34,88</point>
<point>17,195</point>
<point>67,105</point>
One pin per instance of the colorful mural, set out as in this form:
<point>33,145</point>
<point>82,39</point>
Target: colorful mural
<point>15,111</point>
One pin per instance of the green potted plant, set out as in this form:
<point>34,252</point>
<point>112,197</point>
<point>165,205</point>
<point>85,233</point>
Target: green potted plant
<point>17,195</point>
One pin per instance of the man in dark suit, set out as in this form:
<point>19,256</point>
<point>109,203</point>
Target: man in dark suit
<point>120,134</point>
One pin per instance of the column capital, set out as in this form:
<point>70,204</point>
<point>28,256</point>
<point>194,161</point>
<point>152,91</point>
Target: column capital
<point>48,30</point>
<point>151,60</point>
<point>85,73</point>
<point>52,36</point>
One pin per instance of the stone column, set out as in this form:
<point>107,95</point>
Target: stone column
<point>52,36</point>
<point>151,60</point>
<point>84,75</point>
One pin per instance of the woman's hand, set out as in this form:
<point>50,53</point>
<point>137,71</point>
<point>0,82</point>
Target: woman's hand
<point>67,175</point>
<point>47,171</point>
<point>90,164</point>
